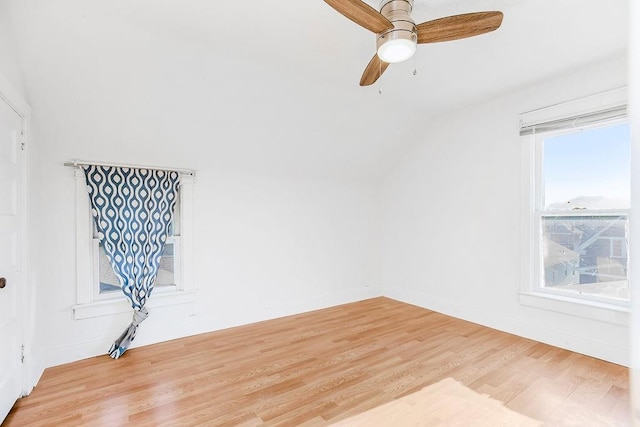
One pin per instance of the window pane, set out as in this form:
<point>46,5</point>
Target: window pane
<point>165,271</point>
<point>586,254</point>
<point>109,281</point>
<point>588,169</point>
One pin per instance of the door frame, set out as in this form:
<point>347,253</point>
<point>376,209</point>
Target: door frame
<point>30,372</point>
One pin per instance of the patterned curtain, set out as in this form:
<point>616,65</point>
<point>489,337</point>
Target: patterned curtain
<point>133,211</point>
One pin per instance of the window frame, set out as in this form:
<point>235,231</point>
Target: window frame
<point>532,292</point>
<point>89,301</point>
<point>540,213</point>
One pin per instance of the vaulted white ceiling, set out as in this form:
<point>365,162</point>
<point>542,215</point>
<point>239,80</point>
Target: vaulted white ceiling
<point>273,85</point>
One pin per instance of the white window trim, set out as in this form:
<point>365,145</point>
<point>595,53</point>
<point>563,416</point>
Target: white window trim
<point>90,305</point>
<point>530,293</point>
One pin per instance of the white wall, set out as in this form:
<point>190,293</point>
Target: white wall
<point>451,221</point>
<point>9,67</point>
<point>285,207</point>
<point>287,213</point>
<point>264,247</point>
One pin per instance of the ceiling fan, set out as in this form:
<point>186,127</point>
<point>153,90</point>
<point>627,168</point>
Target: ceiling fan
<point>397,34</point>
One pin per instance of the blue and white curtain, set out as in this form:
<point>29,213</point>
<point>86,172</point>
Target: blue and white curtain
<point>133,210</point>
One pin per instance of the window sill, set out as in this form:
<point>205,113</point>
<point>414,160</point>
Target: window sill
<point>122,305</point>
<point>609,313</point>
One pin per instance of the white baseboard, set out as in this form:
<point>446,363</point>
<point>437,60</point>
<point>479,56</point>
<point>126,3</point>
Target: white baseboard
<point>211,322</point>
<point>98,346</point>
<point>198,323</point>
<point>590,347</point>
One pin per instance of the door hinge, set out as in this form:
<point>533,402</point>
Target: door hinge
<point>22,354</point>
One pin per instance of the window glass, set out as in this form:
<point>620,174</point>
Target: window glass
<point>589,169</point>
<point>584,198</point>
<point>166,276</point>
<point>585,254</point>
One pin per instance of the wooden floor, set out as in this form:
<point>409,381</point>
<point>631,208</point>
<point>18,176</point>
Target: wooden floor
<point>324,366</point>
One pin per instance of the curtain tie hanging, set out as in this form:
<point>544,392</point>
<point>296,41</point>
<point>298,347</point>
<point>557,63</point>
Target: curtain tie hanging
<point>124,340</point>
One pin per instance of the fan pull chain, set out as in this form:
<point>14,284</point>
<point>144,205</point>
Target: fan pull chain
<point>415,67</point>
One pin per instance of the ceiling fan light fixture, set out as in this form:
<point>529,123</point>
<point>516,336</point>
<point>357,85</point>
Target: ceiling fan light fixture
<point>398,50</point>
<point>398,43</point>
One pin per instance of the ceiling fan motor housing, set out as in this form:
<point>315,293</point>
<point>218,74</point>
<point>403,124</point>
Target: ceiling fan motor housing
<point>398,43</point>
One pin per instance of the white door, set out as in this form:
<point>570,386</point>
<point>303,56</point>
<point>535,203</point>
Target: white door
<point>11,216</point>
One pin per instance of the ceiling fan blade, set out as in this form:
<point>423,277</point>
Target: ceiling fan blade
<point>458,26</point>
<point>373,71</point>
<point>362,14</point>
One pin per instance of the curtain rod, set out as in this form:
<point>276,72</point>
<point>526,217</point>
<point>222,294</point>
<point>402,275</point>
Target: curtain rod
<point>76,163</point>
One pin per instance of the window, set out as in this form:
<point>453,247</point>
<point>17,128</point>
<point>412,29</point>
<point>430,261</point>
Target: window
<point>105,282</point>
<point>582,210</point>
<point>98,290</point>
<point>578,197</point>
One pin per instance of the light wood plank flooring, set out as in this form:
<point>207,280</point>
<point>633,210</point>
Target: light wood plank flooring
<point>323,366</point>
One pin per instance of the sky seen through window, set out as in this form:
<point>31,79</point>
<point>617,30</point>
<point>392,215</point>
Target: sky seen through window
<point>588,169</point>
